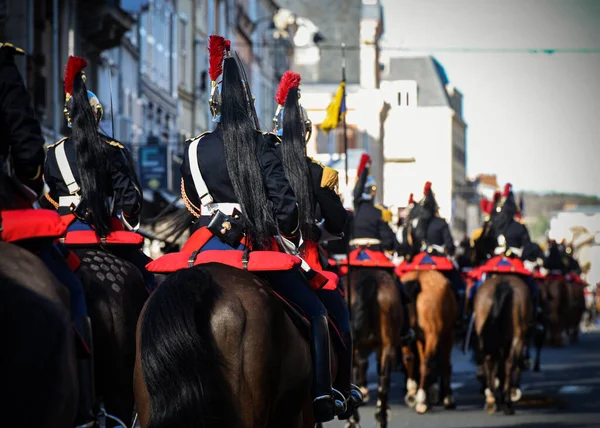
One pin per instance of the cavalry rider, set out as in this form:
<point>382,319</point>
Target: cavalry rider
<point>432,235</point>
<point>21,137</point>
<point>371,221</point>
<point>512,238</point>
<point>87,169</point>
<point>235,175</point>
<point>315,188</point>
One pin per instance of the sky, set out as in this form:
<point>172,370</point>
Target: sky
<point>533,119</point>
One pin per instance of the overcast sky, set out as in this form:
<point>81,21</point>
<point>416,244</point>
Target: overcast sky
<point>533,119</point>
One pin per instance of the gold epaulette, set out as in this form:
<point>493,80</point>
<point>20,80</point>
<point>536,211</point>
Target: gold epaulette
<point>386,215</point>
<point>197,137</point>
<point>13,48</point>
<point>115,144</point>
<point>330,179</point>
<point>58,142</point>
<point>476,235</point>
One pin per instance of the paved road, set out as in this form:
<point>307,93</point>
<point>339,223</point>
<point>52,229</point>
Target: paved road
<point>566,394</point>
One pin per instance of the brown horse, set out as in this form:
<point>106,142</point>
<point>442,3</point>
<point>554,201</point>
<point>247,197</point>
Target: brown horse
<point>433,319</point>
<point>39,382</point>
<point>216,348</point>
<point>576,308</point>
<point>502,309</point>
<point>377,319</point>
<point>555,294</point>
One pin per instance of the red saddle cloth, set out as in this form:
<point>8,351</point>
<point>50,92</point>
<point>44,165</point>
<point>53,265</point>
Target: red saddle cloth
<point>30,224</point>
<point>363,257</point>
<point>502,264</point>
<point>425,261</point>
<point>86,238</point>
<point>258,261</point>
<point>573,278</point>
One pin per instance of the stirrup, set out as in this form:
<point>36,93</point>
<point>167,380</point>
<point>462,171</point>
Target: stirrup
<point>331,409</point>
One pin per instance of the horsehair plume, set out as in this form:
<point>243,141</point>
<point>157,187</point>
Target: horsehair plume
<point>507,189</point>
<point>496,196</point>
<point>75,65</point>
<point>364,160</point>
<point>411,199</point>
<point>216,53</point>
<point>228,45</point>
<point>427,188</point>
<point>288,81</point>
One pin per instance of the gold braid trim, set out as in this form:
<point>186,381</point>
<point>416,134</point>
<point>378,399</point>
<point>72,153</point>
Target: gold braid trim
<point>194,210</point>
<point>52,201</point>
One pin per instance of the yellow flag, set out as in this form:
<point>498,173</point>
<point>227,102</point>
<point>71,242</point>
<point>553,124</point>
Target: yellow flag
<point>335,110</point>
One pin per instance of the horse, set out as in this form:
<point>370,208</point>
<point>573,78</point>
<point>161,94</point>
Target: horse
<point>502,309</point>
<point>39,383</point>
<point>115,294</point>
<point>576,308</point>
<point>433,317</point>
<point>555,295</point>
<point>376,325</point>
<point>216,347</point>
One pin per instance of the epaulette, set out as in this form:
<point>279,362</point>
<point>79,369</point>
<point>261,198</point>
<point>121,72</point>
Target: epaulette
<point>115,144</point>
<point>386,215</point>
<point>13,48</point>
<point>330,179</point>
<point>57,143</point>
<point>197,137</point>
<point>476,235</point>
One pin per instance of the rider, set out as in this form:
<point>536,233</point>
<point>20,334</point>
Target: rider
<point>512,238</point>
<point>21,135</point>
<point>234,174</point>
<point>315,188</point>
<point>87,169</point>
<point>371,221</point>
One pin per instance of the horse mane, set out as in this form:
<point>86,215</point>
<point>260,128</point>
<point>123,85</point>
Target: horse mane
<point>182,366</point>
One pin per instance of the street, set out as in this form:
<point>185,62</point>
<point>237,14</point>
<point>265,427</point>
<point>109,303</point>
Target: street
<point>565,394</point>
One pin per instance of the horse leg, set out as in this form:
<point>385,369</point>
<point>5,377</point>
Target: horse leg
<point>411,384</point>
<point>510,365</point>
<point>387,357</point>
<point>490,374</point>
<point>446,369</point>
<point>426,353</point>
<point>361,365</point>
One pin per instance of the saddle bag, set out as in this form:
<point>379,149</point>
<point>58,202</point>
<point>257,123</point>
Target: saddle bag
<point>228,229</point>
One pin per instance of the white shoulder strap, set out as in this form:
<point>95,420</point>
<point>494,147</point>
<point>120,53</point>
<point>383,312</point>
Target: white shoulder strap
<point>199,184</point>
<point>65,169</point>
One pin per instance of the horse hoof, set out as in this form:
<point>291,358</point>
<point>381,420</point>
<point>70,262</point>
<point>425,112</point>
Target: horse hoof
<point>516,394</point>
<point>365,393</point>
<point>421,408</point>
<point>490,408</point>
<point>351,425</point>
<point>449,403</point>
<point>410,400</point>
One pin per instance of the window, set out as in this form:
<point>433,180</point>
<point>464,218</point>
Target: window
<point>399,98</point>
<point>183,48</point>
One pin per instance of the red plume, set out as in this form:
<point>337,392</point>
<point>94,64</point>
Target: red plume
<point>227,45</point>
<point>411,199</point>
<point>496,197</point>
<point>364,160</point>
<point>216,52</point>
<point>427,188</point>
<point>75,65</point>
<point>507,189</point>
<point>288,81</point>
<point>485,205</point>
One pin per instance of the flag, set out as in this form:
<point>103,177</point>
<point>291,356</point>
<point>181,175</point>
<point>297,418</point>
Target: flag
<point>336,110</point>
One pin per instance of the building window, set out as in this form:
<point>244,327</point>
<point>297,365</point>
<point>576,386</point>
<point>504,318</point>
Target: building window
<point>183,49</point>
<point>399,98</point>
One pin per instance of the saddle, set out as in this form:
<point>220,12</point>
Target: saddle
<point>88,238</point>
<point>502,264</point>
<point>27,225</point>
<point>425,261</point>
<point>364,257</point>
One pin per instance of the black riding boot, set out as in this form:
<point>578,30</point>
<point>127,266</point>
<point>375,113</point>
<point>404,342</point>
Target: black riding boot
<point>343,381</point>
<point>85,374</point>
<point>407,334</point>
<point>325,407</point>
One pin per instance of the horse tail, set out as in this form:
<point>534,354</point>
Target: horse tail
<point>502,301</point>
<point>181,363</point>
<point>366,291</point>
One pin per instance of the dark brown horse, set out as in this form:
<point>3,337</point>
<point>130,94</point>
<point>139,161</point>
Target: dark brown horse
<point>433,319</point>
<point>555,295</point>
<point>503,310</point>
<point>39,372</point>
<point>376,325</point>
<point>576,308</point>
<point>216,348</point>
